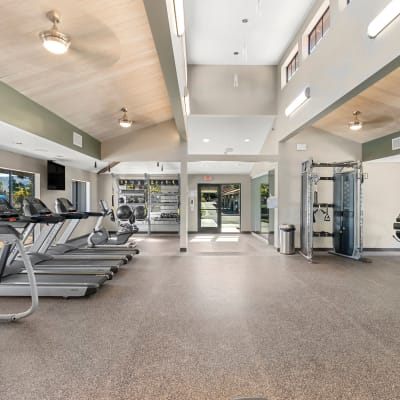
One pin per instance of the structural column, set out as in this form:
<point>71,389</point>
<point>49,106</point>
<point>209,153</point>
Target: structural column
<point>183,230</point>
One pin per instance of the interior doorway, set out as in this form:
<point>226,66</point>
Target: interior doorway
<point>219,208</point>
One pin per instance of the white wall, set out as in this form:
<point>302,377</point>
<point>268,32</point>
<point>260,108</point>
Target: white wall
<point>322,147</point>
<point>245,182</point>
<point>9,160</point>
<point>212,92</point>
<point>343,59</point>
<point>381,204</point>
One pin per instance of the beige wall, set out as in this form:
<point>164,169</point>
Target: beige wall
<point>212,91</point>
<point>19,162</point>
<point>381,204</point>
<point>322,147</point>
<point>245,182</point>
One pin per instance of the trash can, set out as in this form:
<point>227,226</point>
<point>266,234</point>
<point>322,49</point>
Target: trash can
<point>286,239</point>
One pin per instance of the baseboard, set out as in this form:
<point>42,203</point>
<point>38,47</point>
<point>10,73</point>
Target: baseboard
<point>382,249</point>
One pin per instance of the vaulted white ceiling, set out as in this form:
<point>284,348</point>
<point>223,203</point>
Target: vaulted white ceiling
<point>228,134</point>
<point>214,30</point>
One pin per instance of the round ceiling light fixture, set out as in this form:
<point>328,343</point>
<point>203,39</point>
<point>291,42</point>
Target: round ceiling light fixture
<point>356,124</point>
<point>206,140</point>
<point>125,122</point>
<point>53,40</point>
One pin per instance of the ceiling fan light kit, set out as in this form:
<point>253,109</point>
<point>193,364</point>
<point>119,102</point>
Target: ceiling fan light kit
<point>125,122</point>
<point>52,39</point>
<point>356,124</point>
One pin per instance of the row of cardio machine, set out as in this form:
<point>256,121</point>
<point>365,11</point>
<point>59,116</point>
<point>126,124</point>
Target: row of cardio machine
<point>52,266</point>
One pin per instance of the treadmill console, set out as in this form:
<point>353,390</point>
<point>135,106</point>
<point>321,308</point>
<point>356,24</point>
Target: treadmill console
<point>35,206</point>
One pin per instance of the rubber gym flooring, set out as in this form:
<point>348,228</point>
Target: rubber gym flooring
<point>230,318</point>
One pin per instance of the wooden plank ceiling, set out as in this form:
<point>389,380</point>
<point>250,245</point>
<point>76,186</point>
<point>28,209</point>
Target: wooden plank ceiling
<point>112,63</point>
<point>380,112</point>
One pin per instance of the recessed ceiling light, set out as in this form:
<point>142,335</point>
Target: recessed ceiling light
<point>247,140</point>
<point>235,53</point>
<point>245,20</point>
<point>59,156</point>
<point>18,143</point>
<point>41,150</point>
<point>206,140</point>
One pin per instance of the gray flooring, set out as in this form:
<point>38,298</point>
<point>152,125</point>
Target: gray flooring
<point>229,319</point>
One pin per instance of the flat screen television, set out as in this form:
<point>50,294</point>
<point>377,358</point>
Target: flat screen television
<point>55,176</point>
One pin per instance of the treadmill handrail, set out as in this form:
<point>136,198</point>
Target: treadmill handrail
<point>12,235</point>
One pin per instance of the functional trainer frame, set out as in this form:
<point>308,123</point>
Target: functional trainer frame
<point>347,206</point>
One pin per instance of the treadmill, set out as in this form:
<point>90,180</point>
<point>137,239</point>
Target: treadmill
<point>45,241</point>
<point>47,263</point>
<point>39,250</point>
<point>15,283</point>
<point>64,205</point>
<point>63,247</point>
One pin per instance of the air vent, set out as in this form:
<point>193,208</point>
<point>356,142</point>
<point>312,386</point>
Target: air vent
<point>396,143</point>
<point>77,139</point>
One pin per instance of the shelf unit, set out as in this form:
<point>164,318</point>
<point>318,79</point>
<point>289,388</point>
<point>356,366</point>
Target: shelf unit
<point>164,204</point>
<point>156,197</point>
<point>134,193</point>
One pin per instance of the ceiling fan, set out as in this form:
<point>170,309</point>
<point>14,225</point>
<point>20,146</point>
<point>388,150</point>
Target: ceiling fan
<point>378,122</point>
<point>93,42</point>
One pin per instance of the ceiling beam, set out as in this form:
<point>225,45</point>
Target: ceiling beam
<point>158,19</point>
<point>108,168</point>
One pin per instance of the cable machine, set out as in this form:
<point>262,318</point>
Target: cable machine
<point>347,208</point>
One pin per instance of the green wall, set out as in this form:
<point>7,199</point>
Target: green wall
<point>379,148</point>
<point>18,110</point>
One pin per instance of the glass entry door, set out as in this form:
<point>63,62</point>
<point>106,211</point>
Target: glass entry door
<point>209,208</point>
<point>219,208</point>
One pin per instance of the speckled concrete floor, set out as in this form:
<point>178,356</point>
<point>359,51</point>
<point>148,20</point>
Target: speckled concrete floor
<point>214,326</point>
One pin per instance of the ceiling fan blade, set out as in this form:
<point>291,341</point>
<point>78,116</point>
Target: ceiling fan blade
<point>96,52</point>
<point>378,121</point>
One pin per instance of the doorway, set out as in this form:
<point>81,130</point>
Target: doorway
<point>219,208</point>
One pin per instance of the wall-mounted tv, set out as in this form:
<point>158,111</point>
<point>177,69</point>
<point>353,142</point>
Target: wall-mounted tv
<point>55,176</point>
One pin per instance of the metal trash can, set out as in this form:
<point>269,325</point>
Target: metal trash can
<point>286,239</point>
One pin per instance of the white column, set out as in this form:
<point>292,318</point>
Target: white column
<point>183,230</point>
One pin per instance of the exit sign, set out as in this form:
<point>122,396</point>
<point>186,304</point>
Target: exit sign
<point>208,178</point>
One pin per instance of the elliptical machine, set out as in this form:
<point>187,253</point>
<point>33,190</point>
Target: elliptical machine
<point>100,237</point>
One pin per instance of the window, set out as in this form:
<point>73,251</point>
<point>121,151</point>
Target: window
<point>80,195</point>
<point>319,31</point>
<point>15,186</point>
<point>292,67</point>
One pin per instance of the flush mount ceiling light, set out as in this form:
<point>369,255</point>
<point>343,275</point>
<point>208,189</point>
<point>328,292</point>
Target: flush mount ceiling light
<point>125,122</point>
<point>384,18</point>
<point>186,100</point>
<point>179,17</point>
<point>206,140</point>
<point>53,40</point>
<point>298,102</point>
<point>356,124</point>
